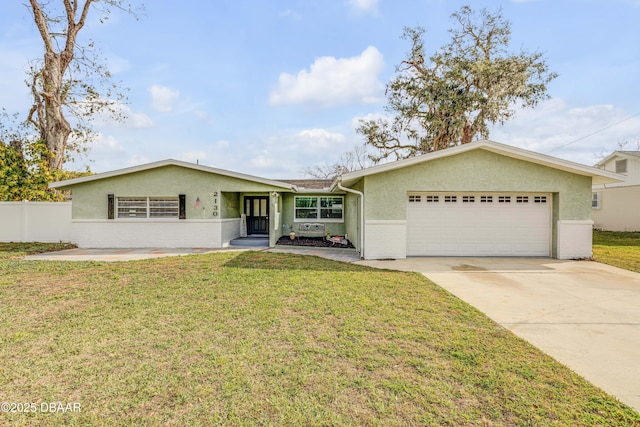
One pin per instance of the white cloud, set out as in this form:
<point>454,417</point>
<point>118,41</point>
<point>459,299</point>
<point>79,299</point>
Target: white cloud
<point>309,142</point>
<point>292,14</point>
<point>217,154</point>
<point>370,6</point>
<point>222,145</point>
<point>286,154</point>
<point>198,156</point>
<point>117,64</point>
<point>204,117</point>
<point>138,159</point>
<point>14,60</point>
<point>105,153</point>
<point>163,98</point>
<point>132,120</point>
<point>355,121</point>
<point>331,81</point>
<point>138,120</point>
<point>106,145</point>
<point>319,140</point>
<point>578,134</point>
<point>263,161</point>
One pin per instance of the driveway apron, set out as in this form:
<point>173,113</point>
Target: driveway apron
<point>584,314</point>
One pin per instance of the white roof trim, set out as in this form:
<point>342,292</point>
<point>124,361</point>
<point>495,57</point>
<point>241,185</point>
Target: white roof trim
<point>612,156</point>
<point>599,176</point>
<point>170,162</point>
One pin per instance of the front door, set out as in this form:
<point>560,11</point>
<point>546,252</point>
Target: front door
<point>257,210</point>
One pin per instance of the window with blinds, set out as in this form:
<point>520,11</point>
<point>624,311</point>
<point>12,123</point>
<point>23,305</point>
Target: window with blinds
<point>148,207</point>
<point>163,208</point>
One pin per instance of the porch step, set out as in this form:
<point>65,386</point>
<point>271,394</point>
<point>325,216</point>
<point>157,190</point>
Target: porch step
<point>250,241</point>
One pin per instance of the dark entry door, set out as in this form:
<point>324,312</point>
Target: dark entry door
<point>257,210</point>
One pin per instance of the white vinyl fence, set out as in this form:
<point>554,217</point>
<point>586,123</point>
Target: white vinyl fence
<point>35,222</point>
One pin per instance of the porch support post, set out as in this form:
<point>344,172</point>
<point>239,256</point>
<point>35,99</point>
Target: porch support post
<point>359,193</point>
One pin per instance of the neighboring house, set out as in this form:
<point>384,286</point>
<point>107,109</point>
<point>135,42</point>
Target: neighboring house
<point>478,199</point>
<point>616,206</point>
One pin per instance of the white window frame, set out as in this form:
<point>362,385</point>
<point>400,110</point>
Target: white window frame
<point>318,209</point>
<point>621,166</point>
<point>150,211</point>
<point>596,200</point>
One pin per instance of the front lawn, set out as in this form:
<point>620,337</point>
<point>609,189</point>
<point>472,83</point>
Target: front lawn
<point>15,250</point>
<point>269,339</point>
<point>620,249</point>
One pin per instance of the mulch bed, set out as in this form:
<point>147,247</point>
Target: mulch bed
<point>317,242</point>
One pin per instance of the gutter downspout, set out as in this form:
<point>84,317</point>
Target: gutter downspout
<point>359,193</point>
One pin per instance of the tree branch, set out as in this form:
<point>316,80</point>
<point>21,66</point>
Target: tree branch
<point>41,23</point>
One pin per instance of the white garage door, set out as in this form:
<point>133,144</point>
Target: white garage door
<point>479,224</point>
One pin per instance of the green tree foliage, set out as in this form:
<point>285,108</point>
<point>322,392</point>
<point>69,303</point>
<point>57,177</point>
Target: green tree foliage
<point>451,97</point>
<point>14,174</point>
<point>25,173</point>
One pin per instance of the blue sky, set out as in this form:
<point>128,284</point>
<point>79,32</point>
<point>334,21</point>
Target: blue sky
<point>270,87</point>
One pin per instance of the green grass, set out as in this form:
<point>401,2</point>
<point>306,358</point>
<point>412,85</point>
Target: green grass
<point>16,250</point>
<point>268,339</point>
<point>620,249</point>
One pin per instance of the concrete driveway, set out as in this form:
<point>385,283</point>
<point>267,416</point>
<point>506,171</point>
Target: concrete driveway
<point>584,314</point>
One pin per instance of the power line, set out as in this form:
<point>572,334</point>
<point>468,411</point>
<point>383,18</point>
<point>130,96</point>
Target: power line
<point>593,133</point>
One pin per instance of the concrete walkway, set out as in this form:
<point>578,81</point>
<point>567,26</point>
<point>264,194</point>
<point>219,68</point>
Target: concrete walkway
<point>584,314</point>
<point>336,254</point>
<point>113,255</point>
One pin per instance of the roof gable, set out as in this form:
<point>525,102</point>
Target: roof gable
<point>632,155</point>
<point>599,176</point>
<point>170,162</point>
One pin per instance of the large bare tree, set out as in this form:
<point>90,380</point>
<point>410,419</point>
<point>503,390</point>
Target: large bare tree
<point>70,79</point>
<point>451,97</point>
<point>349,161</point>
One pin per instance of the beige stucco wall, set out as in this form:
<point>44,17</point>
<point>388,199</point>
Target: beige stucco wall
<point>632,176</point>
<point>619,209</point>
<point>477,170</point>
<point>90,199</point>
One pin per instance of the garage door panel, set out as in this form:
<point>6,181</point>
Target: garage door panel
<point>473,228</point>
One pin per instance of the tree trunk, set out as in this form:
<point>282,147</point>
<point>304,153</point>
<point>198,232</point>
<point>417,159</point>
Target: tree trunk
<point>467,135</point>
<point>53,126</point>
<point>56,128</point>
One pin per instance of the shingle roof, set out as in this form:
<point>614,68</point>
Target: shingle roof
<point>309,184</point>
